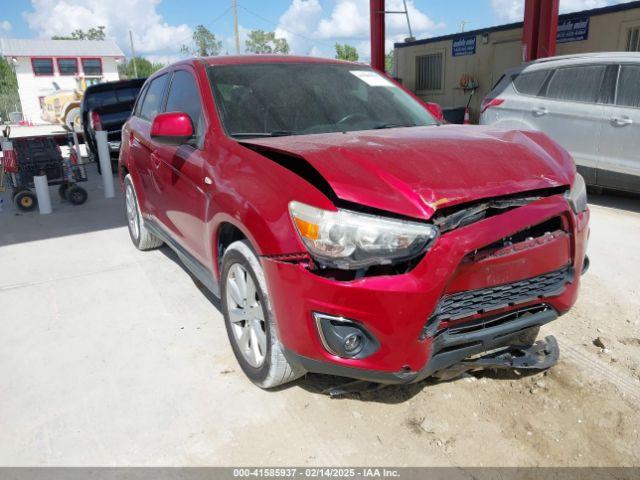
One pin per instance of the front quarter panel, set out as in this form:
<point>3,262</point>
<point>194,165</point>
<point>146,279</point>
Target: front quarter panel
<point>253,193</point>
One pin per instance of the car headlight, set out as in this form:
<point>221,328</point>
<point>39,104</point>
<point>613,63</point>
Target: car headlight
<point>350,240</point>
<point>577,195</point>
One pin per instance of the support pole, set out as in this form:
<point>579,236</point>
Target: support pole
<point>540,29</point>
<point>42,192</point>
<point>548,28</point>
<point>377,12</point>
<point>236,32</point>
<point>105,164</point>
<point>133,56</point>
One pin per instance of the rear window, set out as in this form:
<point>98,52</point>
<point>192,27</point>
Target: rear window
<point>111,97</point>
<point>577,84</point>
<point>628,91</point>
<point>530,83</point>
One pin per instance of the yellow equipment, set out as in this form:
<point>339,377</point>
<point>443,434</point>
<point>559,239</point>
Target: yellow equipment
<point>63,106</point>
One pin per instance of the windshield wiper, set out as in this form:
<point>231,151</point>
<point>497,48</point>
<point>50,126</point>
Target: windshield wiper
<point>275,133</point>
<point>394,125</point>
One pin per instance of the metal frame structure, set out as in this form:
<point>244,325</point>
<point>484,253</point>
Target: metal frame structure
<point>538,39</point>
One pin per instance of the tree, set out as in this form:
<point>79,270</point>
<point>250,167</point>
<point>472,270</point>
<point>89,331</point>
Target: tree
<point>9,99</point>
<point>346,52</point>
<point>144,67</point>
<point>94,33</point>
<point>388,63</point>
<point>205,43</point>
<point>260,41</point>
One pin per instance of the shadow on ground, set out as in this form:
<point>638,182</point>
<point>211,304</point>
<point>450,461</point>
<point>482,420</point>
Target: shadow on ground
<point>98,213</point>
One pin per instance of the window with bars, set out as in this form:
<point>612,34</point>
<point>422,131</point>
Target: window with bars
<point>633,41</point>
<point>429,71</point>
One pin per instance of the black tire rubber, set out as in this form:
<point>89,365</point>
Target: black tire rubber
<point>62,191</point>
<point>76,195</point>
<point>25,200</point>
<point>275,370</point>
<point>17,190</point>
<point>146,240</point>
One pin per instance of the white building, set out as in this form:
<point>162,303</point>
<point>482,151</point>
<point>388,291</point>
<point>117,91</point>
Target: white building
<point>44,66</point>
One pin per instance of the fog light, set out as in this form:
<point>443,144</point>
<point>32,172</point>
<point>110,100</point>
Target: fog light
<point>345,338</point>
<point>353,343</point>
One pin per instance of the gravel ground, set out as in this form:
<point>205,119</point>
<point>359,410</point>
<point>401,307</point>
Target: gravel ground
<point>112,356</point>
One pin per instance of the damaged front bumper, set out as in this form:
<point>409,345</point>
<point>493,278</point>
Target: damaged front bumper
<point>454,282</point>
<point>450,351</point>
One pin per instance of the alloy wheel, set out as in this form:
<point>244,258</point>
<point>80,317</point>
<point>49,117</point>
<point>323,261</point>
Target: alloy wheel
<point>246,315</point>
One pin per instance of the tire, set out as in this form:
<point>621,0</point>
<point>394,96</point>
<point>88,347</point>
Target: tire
<point>76,195</point>
<point>17,190</point>
<point>140,235</point>
<point>25,200</point>
<point>261,355</point>
<point>62,191</point>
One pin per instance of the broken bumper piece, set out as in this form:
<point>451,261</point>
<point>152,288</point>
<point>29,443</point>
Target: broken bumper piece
<point>540,356</point>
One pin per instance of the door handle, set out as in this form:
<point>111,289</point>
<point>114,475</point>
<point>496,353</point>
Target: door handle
<point>540,111</point>
<point>621,121</point>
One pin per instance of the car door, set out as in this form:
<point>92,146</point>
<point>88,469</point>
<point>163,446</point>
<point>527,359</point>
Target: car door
<point>179,173</point>
<point>619,163</point>
<point>570,111</point>
<point>143,151</point>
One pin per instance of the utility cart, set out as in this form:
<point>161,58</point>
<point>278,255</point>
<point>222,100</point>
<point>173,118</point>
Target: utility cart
<point>26,157</point>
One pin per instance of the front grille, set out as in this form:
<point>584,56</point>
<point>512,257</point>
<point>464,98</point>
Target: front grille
<point>474,302</point>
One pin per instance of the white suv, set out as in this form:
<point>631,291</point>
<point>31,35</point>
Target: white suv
<point>588,103</point>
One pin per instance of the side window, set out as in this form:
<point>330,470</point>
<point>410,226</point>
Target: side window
<point>530,83</point>
<point>185,97</point>
<point>577,84</point>
<point>628,91</point>
<point>152,102</point>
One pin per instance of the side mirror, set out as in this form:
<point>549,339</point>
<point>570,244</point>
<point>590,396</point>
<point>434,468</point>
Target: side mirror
<point>172,128</point>
<point>435,110</point>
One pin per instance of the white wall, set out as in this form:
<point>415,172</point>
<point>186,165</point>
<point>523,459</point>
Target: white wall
<point>31,87</point>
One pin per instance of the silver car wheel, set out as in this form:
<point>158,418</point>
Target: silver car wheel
<point>246,315</point>
<point>132,213</point>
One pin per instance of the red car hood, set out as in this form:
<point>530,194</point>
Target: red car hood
<point>414,171</point>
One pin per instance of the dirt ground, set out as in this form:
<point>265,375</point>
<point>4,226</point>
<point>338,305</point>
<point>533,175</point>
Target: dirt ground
<point>112,356</point>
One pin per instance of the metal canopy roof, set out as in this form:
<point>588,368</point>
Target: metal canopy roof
<point>13,47</point>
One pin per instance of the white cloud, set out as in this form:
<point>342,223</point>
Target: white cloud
<point>298,23</point>
<point>151,33</point>
<point>311,30</point>
<point>513,10</point>
<point>5,26</point>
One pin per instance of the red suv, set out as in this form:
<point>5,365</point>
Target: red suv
<point>345,230</point>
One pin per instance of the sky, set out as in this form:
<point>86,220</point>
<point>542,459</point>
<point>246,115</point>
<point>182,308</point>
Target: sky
<point>312,27</point>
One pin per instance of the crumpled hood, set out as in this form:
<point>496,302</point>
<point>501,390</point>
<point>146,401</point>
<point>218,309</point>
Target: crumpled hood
<point>414,171</point>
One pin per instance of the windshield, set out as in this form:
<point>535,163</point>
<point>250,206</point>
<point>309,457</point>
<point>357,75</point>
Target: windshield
<point>298,99</point>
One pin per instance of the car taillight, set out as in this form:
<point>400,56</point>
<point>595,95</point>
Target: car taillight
<point>487,103</point>
<point>96,124</point>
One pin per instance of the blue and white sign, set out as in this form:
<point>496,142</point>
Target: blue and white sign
<point>574,30</point>
<point>464,46</point>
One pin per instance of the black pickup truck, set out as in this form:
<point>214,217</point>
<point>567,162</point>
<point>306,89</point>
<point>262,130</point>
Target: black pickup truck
<point>107,106</point>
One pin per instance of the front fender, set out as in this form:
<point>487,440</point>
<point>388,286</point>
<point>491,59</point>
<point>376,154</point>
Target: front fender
<point>253,193</point>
